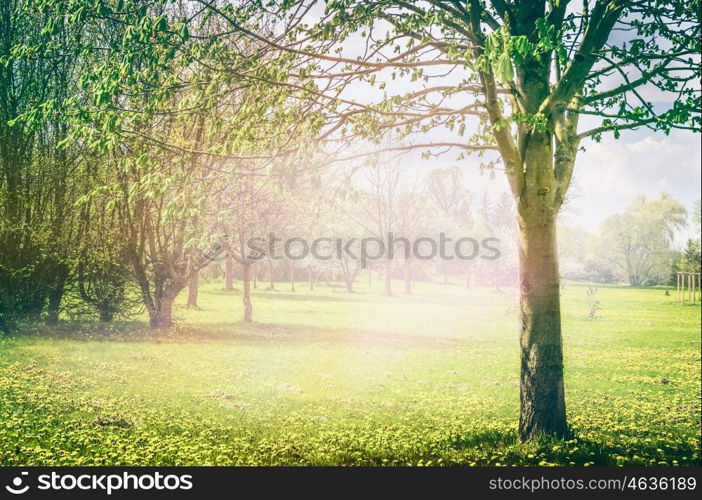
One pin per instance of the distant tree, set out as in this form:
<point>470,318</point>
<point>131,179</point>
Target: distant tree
<point>414,220</point>
<point>249,206</point>
<point>507,231</point>
<point>453,202</point>
<point>690,259</point>
<point>574,249</point>
<point>638,241</point>
<point>379,204</point>
<point>447,190</point>
<point>495,219</point>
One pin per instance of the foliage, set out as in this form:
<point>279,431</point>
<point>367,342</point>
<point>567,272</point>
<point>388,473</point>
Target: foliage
<point>637,243</point>
<point>38,179</point>
<point>691,258</point>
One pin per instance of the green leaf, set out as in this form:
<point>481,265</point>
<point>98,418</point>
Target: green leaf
<point>504,70</point>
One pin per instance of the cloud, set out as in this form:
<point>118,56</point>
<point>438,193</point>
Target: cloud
<point>610,173</point>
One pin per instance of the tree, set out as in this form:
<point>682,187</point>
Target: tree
<point>507,233</point>
<point>691,258</point>
<point>454,202</point>
<point>251,204</point>
<point>379,205</point>
<point>637,242</point>
<point>193,287</point>
<point>534,68</point>
<point>229,273</point>
<point>412,221</point>
<point>574,252</point>
<point>167,238</point>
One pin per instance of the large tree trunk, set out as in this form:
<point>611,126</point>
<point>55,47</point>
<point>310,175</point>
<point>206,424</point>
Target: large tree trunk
<point>408,279</point>
<point>248,308</point>
<point>229,274</point>
<point>161,316</point>
<point>541,386</point>
<point>193,288</point>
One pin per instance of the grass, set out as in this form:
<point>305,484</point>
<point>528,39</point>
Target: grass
<point>329,378</point>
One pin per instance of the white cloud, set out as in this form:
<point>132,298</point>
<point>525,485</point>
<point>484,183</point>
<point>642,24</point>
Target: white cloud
<point>610,173</point>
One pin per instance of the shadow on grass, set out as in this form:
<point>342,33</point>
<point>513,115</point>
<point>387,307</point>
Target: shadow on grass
<point>483,439</point>
<point>573,451</point>
<point>255,332</point>
<point>287,295</point>
<point>606,454</point>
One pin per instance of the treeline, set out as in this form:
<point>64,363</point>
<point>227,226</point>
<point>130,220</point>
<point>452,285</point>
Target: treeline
<point>141,140</point>
<point>138,145</point>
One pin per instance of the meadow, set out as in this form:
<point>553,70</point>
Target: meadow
<point>324,377</point>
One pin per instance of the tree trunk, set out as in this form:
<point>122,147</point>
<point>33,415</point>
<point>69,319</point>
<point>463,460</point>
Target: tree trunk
<point>193,288</point>
<point>248,309</point>
<point>161,316</point>
<point>55,295</point>
<point>388,279</point>
<point>106,315</point>
<point>541,385</point>
<point>408,279</point>
<point>54,305</point>
<point>270,275</point>
<point>292,276</point>
<point>4,311</point>
<point>229,274</point>
<point>467,278</point>
<point>311,276</point>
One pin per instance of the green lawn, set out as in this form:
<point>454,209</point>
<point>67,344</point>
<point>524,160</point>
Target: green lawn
<point>326,377</point>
